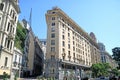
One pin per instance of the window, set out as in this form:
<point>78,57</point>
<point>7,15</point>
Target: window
<point>73,48</point>
<point>63,37</point>
<point>15,58</point>
<point>11,28</point>
<point>73,43</point>
<point>68,34</point>
<point>8,43</point>
<point>63,43</point>
<point>11,45</point>
<point>13,15</point>
<point>68,29</point>
<point>63,57</point>
<point>0,18</point>
<point>6,60</point>
<point>8,26</point>
<point>63,25</point>
<point>52,42</point>
<point>53,35</point>
<point>68,40</point>
<point>68,46</point>
<point>19,59</point>
<point>53,24</point>
<point>15,18</point>
<point>73,37</point>
<point>63,31</point>
<point>53,18</point>
<point>74,54</point>
<point>1,6</point>
<point>63,50</point>
<point>69,53</point>
<point>52,49</point>
<point>52,57</point>
<point>74,57</point>
<point>52,29</point>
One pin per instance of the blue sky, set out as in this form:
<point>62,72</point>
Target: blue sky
<point>99,16</point>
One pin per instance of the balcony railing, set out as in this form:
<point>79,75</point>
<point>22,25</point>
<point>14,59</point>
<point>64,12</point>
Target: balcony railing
<point>11,35</point>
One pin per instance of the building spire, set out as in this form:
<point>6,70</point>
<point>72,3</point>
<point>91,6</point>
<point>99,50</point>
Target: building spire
<point>30,18</point>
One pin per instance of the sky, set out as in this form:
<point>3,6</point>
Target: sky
<point>99,16</point>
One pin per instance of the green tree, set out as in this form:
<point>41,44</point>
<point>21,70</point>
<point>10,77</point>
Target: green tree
<point>100,69</point>
<point>20,36</point>
<point>116,72</point>
<point>116,55</point>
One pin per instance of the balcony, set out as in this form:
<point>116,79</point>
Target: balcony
<point>11,35</point>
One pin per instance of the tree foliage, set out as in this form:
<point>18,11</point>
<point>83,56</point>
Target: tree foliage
<point>116,55</point>
<point>115,71</point>
<point>20,36</point>
<point>100,69</point>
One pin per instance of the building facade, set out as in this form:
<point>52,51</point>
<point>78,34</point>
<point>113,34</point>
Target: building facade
<point>68,46</point>
<point>38,58</point>
<point>16,63</point>
<point>33,57</point>
<point>9,10</point>
<point>106,57</point>
<point>95,52</point>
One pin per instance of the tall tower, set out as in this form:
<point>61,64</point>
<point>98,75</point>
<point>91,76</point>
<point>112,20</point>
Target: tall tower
<point>9,10</point>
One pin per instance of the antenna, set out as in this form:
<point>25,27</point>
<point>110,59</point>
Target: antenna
<point>30,18</point>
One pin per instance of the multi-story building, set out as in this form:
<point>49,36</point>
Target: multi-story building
<point>9,10</point>
<point>25,24</point>
<point>33,57</point>
<point>68,46</point>
<point>38,58</point>
<point>105,56</point>
<point>16,63</point>
<point>95,53</point>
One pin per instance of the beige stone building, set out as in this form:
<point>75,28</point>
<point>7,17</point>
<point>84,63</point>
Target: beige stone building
<point>95,52</point>
<point>33,56</point>
<point>69,47</point>
<point>9,11</point>
<point>106,57</point>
